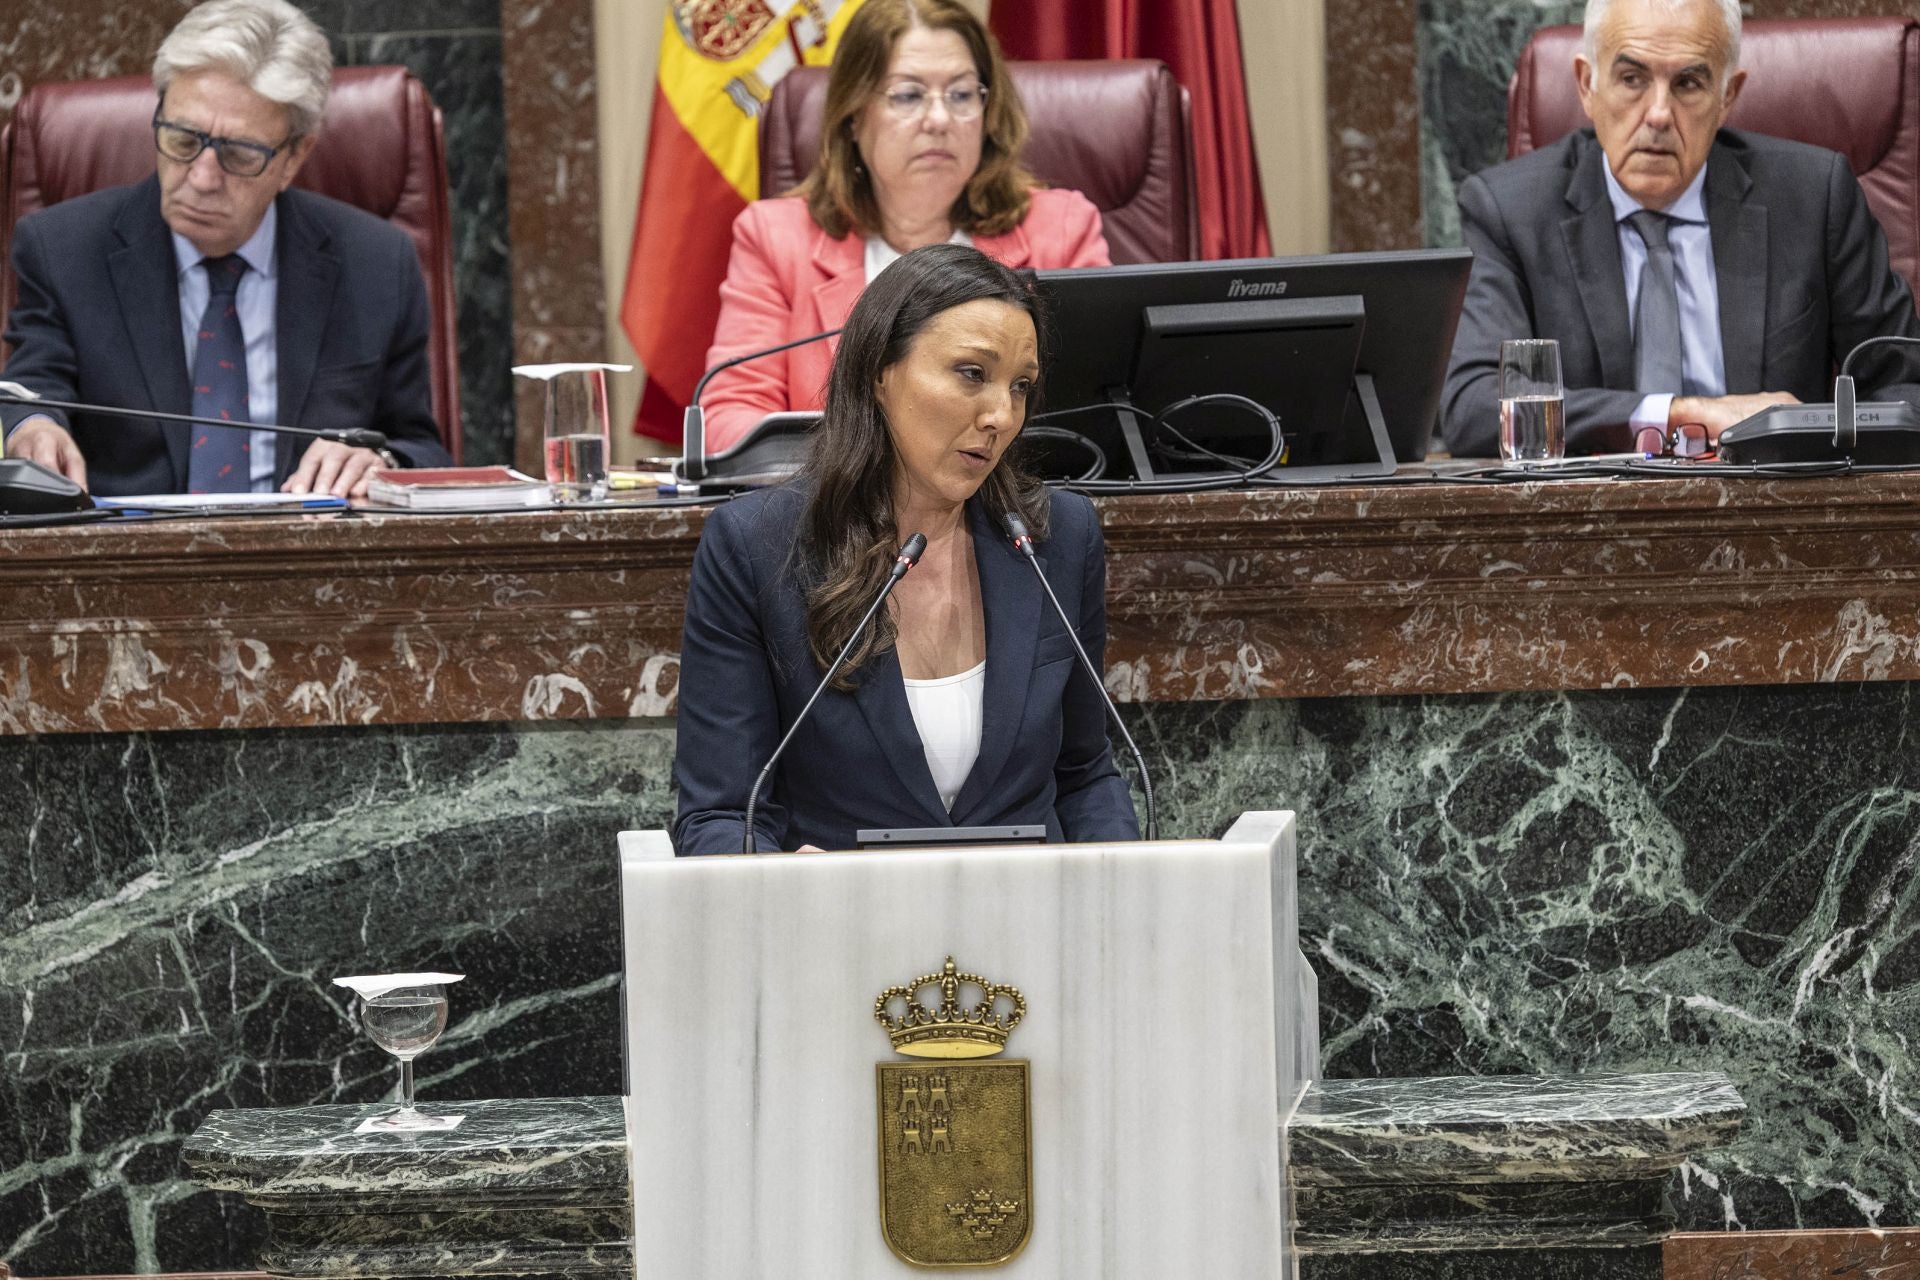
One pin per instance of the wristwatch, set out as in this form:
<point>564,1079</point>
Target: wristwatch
<point>389,459</point>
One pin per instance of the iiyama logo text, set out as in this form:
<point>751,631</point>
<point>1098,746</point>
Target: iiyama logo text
<point>1256,289</point>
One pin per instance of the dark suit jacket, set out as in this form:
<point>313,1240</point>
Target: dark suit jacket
<point>1801,268</point>
<point>99,321</point>
<point>745,672</point>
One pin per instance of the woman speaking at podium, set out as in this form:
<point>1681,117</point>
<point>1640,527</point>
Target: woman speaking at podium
<point>920,143</point>
<point>961,704</point>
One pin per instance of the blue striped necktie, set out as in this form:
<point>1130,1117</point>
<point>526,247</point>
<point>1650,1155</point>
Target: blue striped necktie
<point>218,462</point>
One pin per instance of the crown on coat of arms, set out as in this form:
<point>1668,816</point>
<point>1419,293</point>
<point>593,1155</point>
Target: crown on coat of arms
<point>952,1030</point>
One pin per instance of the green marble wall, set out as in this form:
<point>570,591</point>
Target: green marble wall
<point>1537,883</point>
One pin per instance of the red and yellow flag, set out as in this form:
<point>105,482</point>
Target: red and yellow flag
<point>719,61</point>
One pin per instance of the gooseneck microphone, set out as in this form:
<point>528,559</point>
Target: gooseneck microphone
<point>909,556</point>
<point>693,445</point>
<point>353,437</point>
<point>1846,431</point>
<point>1023,541</point>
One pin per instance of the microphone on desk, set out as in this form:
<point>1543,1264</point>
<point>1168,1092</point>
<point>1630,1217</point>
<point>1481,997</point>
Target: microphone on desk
<point>908,557</point>
<point>353,437</point>
<point>1023,542</point>
<point>1829,433</point>
<point>693,465</point>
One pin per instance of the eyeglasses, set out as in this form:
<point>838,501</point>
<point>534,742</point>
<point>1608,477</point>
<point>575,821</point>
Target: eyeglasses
<point>241,159</point>
<point>910,101</point>
<point>1688,440</point>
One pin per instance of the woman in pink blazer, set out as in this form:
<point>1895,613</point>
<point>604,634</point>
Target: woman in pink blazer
<point>919,144</point>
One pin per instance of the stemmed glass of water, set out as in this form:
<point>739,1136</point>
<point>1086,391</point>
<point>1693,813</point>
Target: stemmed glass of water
<point>405,1021</point>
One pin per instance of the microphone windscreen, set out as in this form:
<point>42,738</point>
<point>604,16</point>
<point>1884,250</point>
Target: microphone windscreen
<point>915,545</point>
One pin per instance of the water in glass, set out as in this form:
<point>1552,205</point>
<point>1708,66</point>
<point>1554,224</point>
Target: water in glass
<point>404,1024</point>
<point>577,466</point>
<point>1533,401</point>
<point>1533,428</point>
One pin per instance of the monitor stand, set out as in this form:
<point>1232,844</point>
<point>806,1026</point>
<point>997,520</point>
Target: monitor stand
<point>1136,441</point>
<point>1381,464</point>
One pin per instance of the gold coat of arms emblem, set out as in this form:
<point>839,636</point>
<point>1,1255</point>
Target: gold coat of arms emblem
<point>956,1160</point>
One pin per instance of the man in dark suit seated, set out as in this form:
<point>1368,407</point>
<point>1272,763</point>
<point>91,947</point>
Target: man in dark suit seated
<point>1691,274</point>
<point>212,288</point>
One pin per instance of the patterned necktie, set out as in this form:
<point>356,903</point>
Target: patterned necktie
<point>217,463</point>
<point>1658,363</point>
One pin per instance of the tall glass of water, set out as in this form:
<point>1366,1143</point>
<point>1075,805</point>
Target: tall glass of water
<point>1533,402</point>
<point>577,434</point>
<point>405,1021</point>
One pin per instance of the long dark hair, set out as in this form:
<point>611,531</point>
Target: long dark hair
<point>848,536</point>
<point>839,190</point>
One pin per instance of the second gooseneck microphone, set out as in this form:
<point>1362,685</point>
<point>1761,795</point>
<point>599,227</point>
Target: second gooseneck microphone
<point>1023,541</point>
<point>908,557</point>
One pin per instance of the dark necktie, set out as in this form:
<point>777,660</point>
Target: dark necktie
<point>1658,362</point>
<point>217,463</point>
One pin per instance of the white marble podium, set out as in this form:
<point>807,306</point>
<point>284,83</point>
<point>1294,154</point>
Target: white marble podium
<point>1170,1027</point>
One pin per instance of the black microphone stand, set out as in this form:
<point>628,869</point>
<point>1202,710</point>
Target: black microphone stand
<point>1023,541</point>
<point>353,437</point>
<point>693,441</point>
<point>909,556</point>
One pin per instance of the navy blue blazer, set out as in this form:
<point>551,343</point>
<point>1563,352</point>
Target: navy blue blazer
<point>746,670</point>
<point>98,320</point>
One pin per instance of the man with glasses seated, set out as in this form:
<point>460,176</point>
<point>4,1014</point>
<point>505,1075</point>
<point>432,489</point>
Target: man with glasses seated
<point>213,288</point>
<point>920,142</point>
<point>1692,274</point>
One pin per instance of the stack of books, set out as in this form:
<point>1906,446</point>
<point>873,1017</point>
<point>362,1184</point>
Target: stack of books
<point>442,488</point>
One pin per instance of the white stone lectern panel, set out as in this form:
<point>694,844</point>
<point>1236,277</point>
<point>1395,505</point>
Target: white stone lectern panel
<point>1160,1071</point>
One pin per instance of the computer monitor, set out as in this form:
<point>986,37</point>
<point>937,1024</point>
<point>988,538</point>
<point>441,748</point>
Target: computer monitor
<point>1349,351</point>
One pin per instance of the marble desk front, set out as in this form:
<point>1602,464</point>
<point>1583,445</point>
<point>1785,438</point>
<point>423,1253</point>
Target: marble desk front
<point>1406,588</point>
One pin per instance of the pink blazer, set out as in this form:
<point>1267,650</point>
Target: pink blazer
<point>786,279</point>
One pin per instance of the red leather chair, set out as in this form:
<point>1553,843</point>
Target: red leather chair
<point>383,149</point>
<point>1848,84</point>
<point>1115,131</point>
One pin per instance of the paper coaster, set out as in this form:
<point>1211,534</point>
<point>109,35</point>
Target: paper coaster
<point>435,1124</point>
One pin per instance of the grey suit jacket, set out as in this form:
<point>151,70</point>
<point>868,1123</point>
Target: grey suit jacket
<point>1801,266</point>
<point>98,321</point>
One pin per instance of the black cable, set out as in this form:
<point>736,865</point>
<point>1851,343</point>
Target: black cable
<point>1892,339</point>
<point>1098,466</point>
<point>1186,483</point>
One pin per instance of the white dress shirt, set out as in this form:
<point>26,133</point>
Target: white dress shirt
<point>1703,369</point>
<point>258,294</point>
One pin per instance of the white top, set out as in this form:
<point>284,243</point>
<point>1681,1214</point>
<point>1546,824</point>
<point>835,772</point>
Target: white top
<point>947,714</point>
<point>881,255</point>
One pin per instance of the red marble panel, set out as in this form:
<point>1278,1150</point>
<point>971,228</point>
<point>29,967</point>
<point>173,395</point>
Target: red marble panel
<point>1373,124</point>
<point>1892,1254</point>
<point>553,177</point>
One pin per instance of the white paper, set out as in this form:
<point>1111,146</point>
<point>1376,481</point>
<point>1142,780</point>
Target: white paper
<point>368,986</point>
<point>437,1124</point>
<point>198,501</point>
<point>545,371</point>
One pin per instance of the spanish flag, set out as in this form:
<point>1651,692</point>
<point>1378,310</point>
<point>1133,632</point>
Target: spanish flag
<point>719,61</point>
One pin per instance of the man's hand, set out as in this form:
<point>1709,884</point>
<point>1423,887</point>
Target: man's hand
<point>40,439</point>
<point>330,467</point>
<point>1717,413</point>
